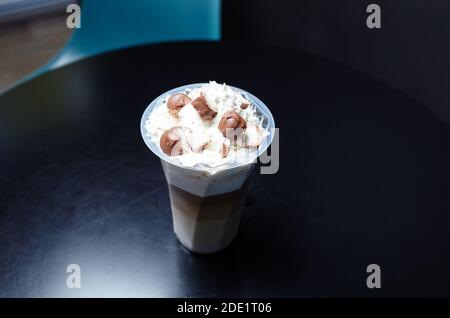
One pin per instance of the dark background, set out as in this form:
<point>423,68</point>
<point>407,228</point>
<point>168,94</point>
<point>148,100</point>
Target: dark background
<point>411,51</point>
<point>371,174</point>
<point>361,185</point>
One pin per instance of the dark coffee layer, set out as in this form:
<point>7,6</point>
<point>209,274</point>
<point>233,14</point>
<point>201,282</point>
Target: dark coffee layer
<point>220,206</point>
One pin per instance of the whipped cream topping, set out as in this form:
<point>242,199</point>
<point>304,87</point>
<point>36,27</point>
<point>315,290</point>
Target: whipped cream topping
<point>201,140</point>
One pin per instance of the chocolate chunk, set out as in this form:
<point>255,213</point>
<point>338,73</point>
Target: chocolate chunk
<point>244,105</point>
<point>177,101</point>
<point>233,120</point>
<point>203,109</point>
<point>170,142</point>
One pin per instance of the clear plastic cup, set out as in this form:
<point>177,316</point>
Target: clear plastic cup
<point>207,202</point>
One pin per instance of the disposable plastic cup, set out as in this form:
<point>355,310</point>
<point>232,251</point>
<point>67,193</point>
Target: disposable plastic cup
<point>207,202</point>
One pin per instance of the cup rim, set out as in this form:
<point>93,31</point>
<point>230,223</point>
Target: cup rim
<point>260,106</point>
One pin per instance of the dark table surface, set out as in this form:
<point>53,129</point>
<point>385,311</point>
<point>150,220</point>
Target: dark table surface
<point>364,178</point>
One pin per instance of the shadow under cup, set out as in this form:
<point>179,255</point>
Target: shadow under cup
<point>207,202</point>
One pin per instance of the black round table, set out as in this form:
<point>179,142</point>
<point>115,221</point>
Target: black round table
<point>364,178</point>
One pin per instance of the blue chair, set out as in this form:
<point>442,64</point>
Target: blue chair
<point>114,24</point>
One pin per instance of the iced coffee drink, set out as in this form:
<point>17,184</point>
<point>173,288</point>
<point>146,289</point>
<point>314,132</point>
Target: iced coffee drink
<point>208,137</point>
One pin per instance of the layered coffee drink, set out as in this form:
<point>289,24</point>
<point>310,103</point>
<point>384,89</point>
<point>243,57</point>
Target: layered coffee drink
<point>208,137</point>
